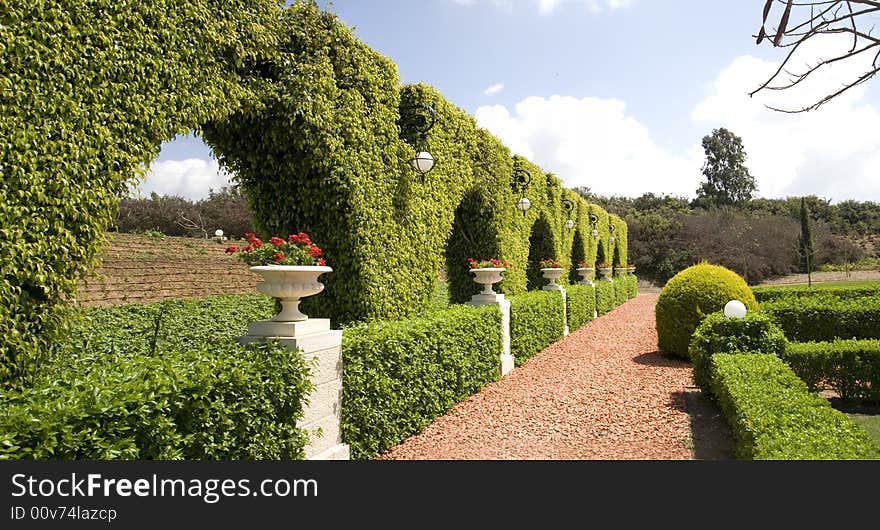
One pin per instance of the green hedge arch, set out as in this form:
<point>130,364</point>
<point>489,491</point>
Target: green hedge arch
<point>89,89</point>
<point>306,116</point>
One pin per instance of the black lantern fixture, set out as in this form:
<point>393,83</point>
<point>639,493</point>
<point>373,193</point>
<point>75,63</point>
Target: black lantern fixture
<point>422,119</point>
<point>568,206</point>
<point>594,220</point>
<point>611,230</point>
<point>521,180</point>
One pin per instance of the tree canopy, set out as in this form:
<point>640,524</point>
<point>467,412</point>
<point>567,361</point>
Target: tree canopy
<point>728,181</point>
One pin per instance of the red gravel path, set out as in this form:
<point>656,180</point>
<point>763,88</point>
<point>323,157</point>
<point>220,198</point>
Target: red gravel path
<point>603,392</point>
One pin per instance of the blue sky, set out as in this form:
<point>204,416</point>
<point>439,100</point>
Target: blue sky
<point>610,94</point>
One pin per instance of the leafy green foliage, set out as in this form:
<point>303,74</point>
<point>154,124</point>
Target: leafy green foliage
<point>727,178</point>
<point>161,381</point>
<point>850,367</point>
<point>580,304</point>
<point>826,317</point>
<point>632,282</point>
<point>691,295</point>
<point>89,91</point>
<point>756,332</point>
<point>605,300</point>
<point>774,416</point>
<point>842,290</point>
<point>312,122</point>
<point>621,290</point>
<point>333,157</point>
<point>401,375</point>
<point>536,321</point>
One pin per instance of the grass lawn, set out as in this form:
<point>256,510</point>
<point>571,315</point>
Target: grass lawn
<point>870,423</point>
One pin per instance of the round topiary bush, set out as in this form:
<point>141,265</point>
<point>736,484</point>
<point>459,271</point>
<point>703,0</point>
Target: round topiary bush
<point>689,296</point>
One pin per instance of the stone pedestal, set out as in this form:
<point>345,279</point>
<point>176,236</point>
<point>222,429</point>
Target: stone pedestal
<point>322,349</point>
<point>506,363</point>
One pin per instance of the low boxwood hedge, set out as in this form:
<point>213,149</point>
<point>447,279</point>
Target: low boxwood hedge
<point>756,332</point>
<point>161,381</point>
<point>632,282</point>
<point>621,290</point>
<point>774,416</point>
<point>401,375</point>
<point>825,318</point>
<point>604,297</point>
<point>536,321</point>
<point>770,293</point>
<point>581,305</point>
<point>850,367</point>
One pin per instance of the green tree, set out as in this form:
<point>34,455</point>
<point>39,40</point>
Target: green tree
<point>805,242</point>
<point>728,181</point>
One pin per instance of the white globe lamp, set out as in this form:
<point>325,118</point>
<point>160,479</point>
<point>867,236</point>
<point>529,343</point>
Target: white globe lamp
<point>735,309</point>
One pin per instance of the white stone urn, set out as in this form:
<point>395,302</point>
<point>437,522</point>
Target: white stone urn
<point>606,273</point>
<point>552,274</point>
<point>619,271</point>
<point>487,277</point>
<point>631,269</point>
<point>290,283</point>
<point>586,275</point>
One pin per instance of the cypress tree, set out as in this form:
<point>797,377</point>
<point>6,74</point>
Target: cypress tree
<point>805,242</point>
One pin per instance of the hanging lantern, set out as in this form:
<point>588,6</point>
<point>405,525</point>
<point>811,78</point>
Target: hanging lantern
<point>521,180</point>
<point>422,120</point>
<point>568,206</point>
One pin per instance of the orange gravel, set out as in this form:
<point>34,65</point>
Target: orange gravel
<point>601,393</point>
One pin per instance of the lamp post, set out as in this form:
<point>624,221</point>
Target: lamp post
<point>594,220</point>
<point>568,206</point>
<point>521,180</point>
<point>422,120</point>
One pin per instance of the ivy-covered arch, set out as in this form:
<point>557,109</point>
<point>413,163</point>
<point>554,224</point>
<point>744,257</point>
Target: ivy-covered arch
<point>307,117</point>
<point>89,90</point>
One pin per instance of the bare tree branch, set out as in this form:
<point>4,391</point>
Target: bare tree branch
<point>825,17</point>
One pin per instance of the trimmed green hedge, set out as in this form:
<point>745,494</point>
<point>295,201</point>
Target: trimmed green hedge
<point>401,375</point>
<point>604,296</point>
<point>770,293</point>
<point>121,387</point>
<point>719,334</point>
<point>825,318</point>
<point>621,290</point>
<point>580,304</point>
<point>536,321</point>
<point>632,282</point>
<point>850,367</point>
<point>774,416</point>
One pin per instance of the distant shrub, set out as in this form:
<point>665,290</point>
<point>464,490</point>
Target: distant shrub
<point>691,295</point>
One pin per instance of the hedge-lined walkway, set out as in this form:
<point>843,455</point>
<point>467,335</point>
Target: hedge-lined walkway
<point>603,392</point>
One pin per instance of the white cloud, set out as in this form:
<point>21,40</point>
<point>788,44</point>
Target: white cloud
<point>548,7</point>
<point>494,89</point>
<point>592,142</point>
<point>832,152</point>
<point>191,178</point>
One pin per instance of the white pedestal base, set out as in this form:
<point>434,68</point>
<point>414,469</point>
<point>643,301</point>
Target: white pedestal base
<point>506,363</point>
<point>323,346</point>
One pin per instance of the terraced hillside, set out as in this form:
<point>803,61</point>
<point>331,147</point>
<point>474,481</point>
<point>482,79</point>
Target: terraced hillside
<point>138,268</point>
